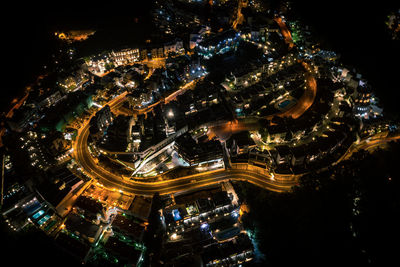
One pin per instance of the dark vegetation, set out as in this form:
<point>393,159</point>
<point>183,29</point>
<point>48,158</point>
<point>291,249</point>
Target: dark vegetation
<point>349,213</point>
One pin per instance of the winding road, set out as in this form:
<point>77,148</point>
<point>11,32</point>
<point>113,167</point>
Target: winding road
<point>278,183</point>
<point>285,32</point>
<point>81,154</point>
<point>261,178</point>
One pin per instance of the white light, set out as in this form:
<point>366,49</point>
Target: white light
<point>97,105</point>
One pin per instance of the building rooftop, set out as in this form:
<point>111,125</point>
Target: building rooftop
<point>84,228</point>
<point>128,226</point>
<point>122,250</point>
<point>141,207</point>
<point>72,245</point>
<point>214,40</point>
<point>220,251</point>
<point>89,205</point>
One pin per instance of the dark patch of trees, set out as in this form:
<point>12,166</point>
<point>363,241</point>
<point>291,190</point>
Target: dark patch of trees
<point>349,213</point>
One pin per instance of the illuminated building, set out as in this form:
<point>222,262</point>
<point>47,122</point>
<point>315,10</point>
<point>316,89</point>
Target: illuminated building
<point>125,56</point>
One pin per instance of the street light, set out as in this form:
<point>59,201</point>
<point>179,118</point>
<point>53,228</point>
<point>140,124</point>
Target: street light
<point>272,176</point>
<point>173,236</point>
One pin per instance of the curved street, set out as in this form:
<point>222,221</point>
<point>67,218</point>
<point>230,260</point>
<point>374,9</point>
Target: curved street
<point>278,183</point>
<point>83,157</point>
<point>113,181</point>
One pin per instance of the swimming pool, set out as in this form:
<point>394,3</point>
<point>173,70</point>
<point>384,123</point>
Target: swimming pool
<point>44,219</point>
<point>284,104</point>
<point>32,207</point>
<point>176,214</point>
<point>50,224</point>
<point>37,214</point>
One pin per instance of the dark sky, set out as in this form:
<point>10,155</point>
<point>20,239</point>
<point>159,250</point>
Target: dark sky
<point>27,33</point>
<point>356,29</point>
